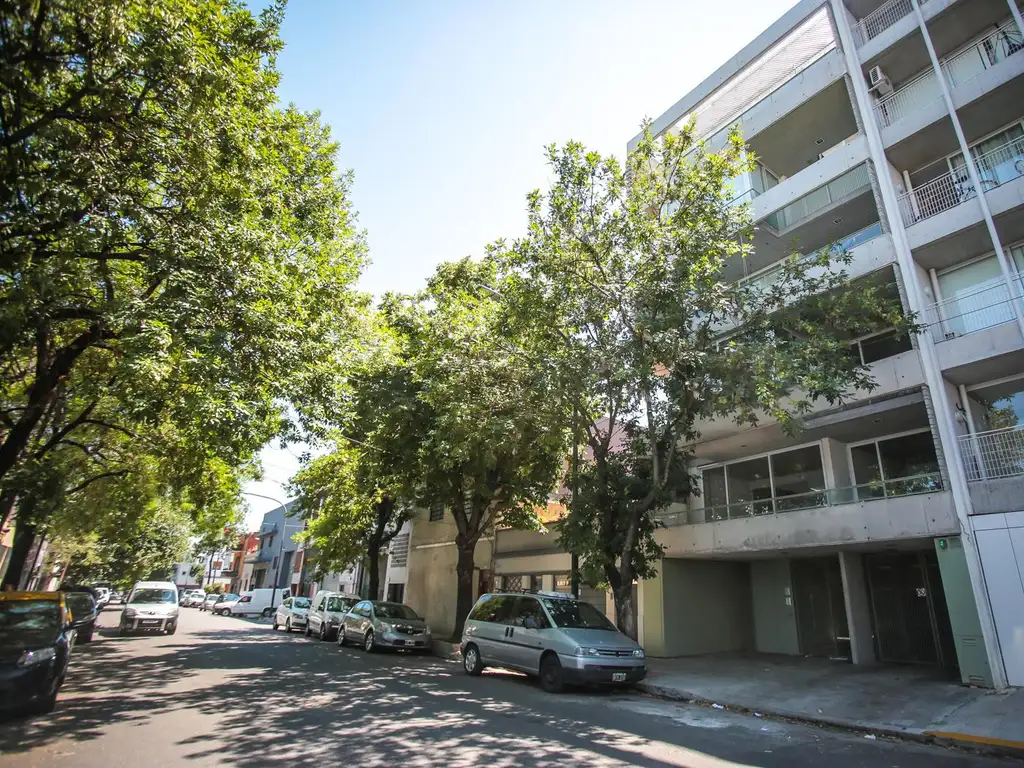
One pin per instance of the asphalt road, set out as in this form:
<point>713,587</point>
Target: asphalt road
<point>225,691</point>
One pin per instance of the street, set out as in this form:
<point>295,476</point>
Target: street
<point>226,691</point>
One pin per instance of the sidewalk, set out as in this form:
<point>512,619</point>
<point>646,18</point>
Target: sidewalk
<point>904,702</point>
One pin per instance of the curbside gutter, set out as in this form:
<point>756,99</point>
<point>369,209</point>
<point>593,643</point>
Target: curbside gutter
<point>979,744</point>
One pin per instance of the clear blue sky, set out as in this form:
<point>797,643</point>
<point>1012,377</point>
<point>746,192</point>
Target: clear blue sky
<point>443,107</point>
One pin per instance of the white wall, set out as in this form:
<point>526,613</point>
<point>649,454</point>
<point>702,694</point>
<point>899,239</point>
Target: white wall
<point>1000,540</point>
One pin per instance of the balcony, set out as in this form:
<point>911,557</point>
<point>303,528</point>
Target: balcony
<point>984,306</point>
<point>827,497</point>
<point>958,68</point>
<point>997,167</point>
<point>995,454</point>
<point>846,186</point>
<point>880,19</point>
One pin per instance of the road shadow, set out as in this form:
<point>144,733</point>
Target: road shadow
<point>282,699</point>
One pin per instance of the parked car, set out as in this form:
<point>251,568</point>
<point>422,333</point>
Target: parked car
<point>208,600</point>
<point>152,607</point>
<point>551,636</point>
<point>194,598</point>
<point>102,596</point>
<point>257,602</point>
<point>116,597</point>
<point>293,613</point>
<point>377,624</point>
<point>222,600</point>
<point>325,616</point>
<point>36,638</point>
<point>84,611</point>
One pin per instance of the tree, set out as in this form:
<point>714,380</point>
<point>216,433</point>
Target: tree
<point>622,278</point>
<point>492,436</point>
<point>169,236</point>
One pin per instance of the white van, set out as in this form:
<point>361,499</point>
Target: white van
<point>152,606</point>
<point>257,602</point>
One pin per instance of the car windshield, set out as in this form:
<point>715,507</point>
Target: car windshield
<point>80,603</point>
<point>27,623</point>
<point>230,596</point>
<point>300,602</point>
<point>153,596</point>
<point>394,611</point>
<point>572,614</point>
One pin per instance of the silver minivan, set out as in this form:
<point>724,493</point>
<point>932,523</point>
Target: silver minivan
<point>552,636</point>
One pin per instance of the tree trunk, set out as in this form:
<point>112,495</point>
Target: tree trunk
<point>24,535</point>
<point>373,565</point>
<point>625,615</point>
<point>464,594</point>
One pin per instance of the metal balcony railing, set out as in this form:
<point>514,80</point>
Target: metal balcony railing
<point>826,497</point>
<point>993,454</point>
<point>880,19</point>
<point>912,96</point>
<point>970,62</point>
<point>766,278</point>
<point>986,305</point>
<point>854,180</point>
<point>996,167</point>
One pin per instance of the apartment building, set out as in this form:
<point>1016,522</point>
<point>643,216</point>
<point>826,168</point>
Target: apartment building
<point>890,530</point>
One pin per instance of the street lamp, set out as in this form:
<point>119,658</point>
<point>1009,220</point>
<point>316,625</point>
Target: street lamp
<point>280,547</point>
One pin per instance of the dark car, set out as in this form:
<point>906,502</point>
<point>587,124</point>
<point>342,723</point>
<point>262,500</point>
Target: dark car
<point>84,611</point>
<point>35,646</point>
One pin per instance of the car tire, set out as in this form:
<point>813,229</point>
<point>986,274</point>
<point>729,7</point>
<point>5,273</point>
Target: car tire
<point>552,679</point>
<point>173,629</point>
<point>471,661</point>
<point>267,613</point>
<point>307,631</point>
<point>368,644</point>
<point>288,626</point>
<point>342,640</point>
<point>275,624</point>
<point>322,635</point>
<point>86,638</point>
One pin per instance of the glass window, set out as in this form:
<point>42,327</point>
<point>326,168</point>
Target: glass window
<point>153,596</point>
<point>436,512</point>
<point>573,614</point>
<point>484,609</point>
<point>505,608</point>
<point>884,345</point>
<point>749,481</point>
<point>334,604</point>
<point>394,611</point>
<point>714,492</point>
<point>974,297</point>
<point>530,608</point>
<point>908,456</point>
<point>799,478</point>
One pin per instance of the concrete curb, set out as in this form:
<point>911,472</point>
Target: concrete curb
<point>980,744</point>
<point>446,649</point>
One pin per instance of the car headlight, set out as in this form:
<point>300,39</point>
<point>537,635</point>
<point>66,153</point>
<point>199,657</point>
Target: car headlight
<point>385,627</point>
<point>31,658</point>
<point>638,653</point>
<point>586,652</point>
<point>426,630</point>
<point>129,613</point>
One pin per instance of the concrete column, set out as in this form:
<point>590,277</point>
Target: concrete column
<point>858,608</point>
<point>547,583</point>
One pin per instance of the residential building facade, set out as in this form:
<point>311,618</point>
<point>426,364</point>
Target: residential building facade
<point>274,558</point>
<point>890,529</point>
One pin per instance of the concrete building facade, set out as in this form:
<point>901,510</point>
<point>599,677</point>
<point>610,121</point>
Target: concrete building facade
<point>891,528</point>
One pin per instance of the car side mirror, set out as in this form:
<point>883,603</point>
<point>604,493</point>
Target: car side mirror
<point>530,623</point>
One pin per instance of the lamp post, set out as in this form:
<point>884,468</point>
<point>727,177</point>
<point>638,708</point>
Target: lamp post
<point>280,546</point>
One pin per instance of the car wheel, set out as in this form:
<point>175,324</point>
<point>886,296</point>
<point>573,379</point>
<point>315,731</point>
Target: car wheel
<point>342,640</point>
<point>86,638</point>
<point>323,631</point>
<point>308,632</point>
<point>368,645</point>
<point>274,627</point>
<point>471,661</point>
<point>288,625</point>
<point>267,612</point>
<point>551,678</point>
<point>172,629</point>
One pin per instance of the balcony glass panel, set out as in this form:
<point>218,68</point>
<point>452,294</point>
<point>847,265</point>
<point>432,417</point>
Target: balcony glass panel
<point>798,478</point>
<point>883,345</point>
<point>867,470</point>
<point>749,484</point>
<point>714,491</point>
<point>851,182</point>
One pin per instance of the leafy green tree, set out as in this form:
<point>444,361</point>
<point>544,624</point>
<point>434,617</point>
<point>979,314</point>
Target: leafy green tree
<point>170,237</point>
<point>622,279</point>
<point>492,434</point>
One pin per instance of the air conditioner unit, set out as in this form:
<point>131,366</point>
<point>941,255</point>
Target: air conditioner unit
<point>879,81</point>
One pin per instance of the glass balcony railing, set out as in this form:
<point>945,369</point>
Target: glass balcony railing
<point>853,181</point>
<point>826,497</point>
<point>996,168</point>
<point>767,277</point>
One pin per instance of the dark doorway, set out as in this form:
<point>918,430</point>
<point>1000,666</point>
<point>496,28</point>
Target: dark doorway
<point>908,606</point>
<point>820,611</point>
<point>396,592</point>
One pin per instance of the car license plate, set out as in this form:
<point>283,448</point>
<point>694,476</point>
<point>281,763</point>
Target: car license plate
<point>618,677</point>
<point>150,622</point>
<point>410,642</point>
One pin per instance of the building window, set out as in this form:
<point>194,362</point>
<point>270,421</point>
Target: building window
<point>779,482</point>
<point>895,466</point>
<point>436,512</point>
<point>512,583</point>
<point>396,593</point>
<point>563,582</point>
<point>536,583</point>
<point>878,346</point>
<point>274,564</point>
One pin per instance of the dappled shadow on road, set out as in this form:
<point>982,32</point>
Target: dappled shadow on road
<point>276,698</point>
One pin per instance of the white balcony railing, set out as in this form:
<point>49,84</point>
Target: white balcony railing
<point>912,96</point>
<point>968,63</point>
<point>959,68</point>
<point>996,167</point>
<point>993,454</point>
<point>880,19</point>
<point>985,305</point>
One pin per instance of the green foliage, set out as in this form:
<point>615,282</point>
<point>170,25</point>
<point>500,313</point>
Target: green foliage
<point>622,279</point>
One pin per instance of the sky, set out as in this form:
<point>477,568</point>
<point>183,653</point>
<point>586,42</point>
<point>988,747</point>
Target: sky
<point>443,108</point>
